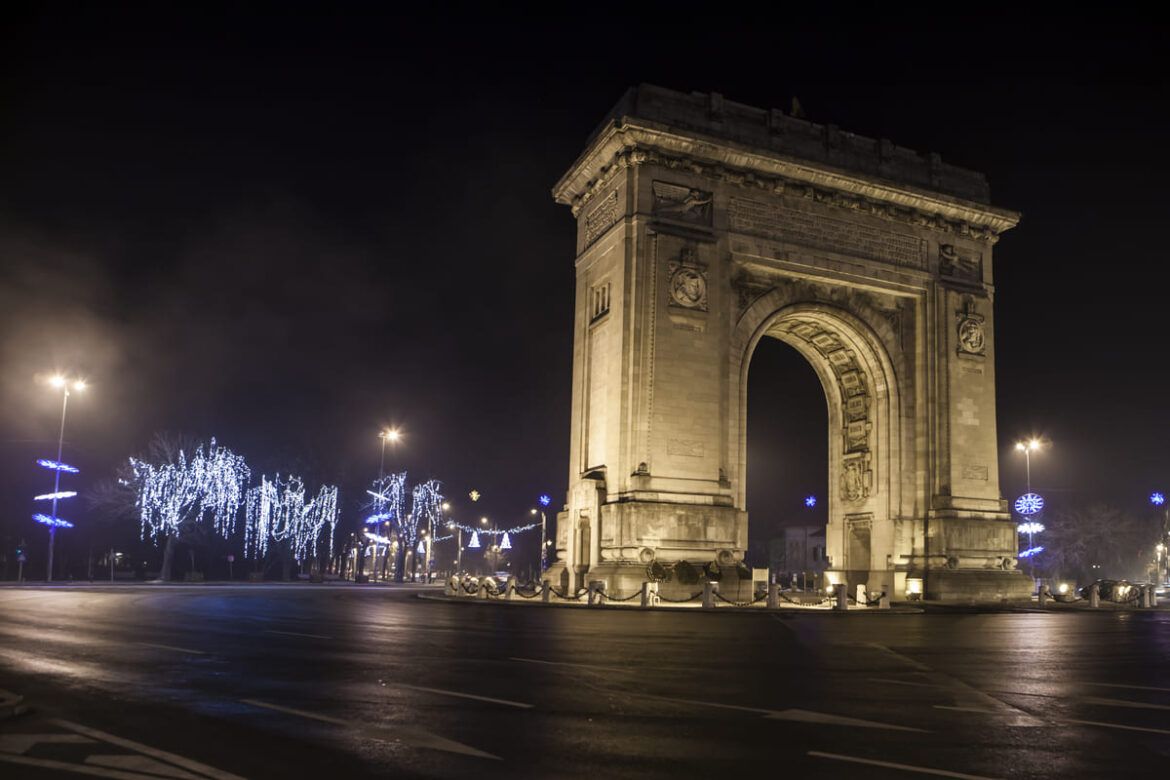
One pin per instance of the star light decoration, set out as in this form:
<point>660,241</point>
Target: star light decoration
<point>1157,498</point>
<point>210,483</point>
<point>810,501</point>
<point>1029,504</point>
<point>1030,528</point>
<point>545,499</point>
<point>276,511</point>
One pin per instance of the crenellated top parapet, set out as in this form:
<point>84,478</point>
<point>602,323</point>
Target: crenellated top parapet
<point>772,151</point>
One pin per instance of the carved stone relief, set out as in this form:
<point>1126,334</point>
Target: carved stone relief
<point>856,426</point>
<point>972,340</point>
<point>687,281</point>
<point>958,265</point>
<point>682,204</point>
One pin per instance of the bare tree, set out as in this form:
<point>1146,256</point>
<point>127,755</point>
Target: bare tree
<point>1095,541</point>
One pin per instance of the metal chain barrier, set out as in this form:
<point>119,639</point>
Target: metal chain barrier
<point>534,594</point>
<point>691,597</point>
<point>635,595</point>
<point>822,602</point>
<point>580,593</point>
<point>733,603</point>
<point>470,590</point>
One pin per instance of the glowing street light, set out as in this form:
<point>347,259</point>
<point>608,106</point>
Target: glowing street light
<point>389,435</point>
<point>1028,447</point>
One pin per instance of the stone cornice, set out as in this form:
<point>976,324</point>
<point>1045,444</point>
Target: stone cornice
<point>630,142</point>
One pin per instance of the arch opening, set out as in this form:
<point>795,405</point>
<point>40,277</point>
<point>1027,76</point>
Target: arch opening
<point>860,394</point>
<point>787,452</point>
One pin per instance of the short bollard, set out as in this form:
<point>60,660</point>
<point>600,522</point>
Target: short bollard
<point>1153,596</point>
<point>774,595</point>
<point>649,594</point>
<point>1094,595</point>
<point>509,589</point>
<point>1148,596</point>
<point>884,599</point>
<point>1043,596</point>
<point>545,590</point>
<point>842,591</point>
<point>453,586</point>
<point>709,591</point>
<point>596,592</point>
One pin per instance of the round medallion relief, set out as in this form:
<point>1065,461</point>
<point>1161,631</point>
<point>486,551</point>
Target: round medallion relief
<point>688,287</point>
<point>971,335</point>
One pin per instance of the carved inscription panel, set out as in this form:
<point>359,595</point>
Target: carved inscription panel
<point>601,218</point>
<point>837,235</point>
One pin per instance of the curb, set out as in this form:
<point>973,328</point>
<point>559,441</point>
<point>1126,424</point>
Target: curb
<point>787,611</point>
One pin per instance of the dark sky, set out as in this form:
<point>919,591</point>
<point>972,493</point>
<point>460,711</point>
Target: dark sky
<point>287,226</point>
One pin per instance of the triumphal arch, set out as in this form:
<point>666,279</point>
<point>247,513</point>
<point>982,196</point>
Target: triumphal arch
<point>704,226</point>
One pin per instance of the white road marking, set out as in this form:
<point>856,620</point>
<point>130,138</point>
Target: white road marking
<point>570,664</point>
<point>171,647</point>
<point>966,709</point>
<point>800,716</point>
<point>1130,687</point>
<point>442,692</point>
<point>806,716</point>
<point>1137,705</point>
<point>1116,726</point>
<point>904,682</point>
<point>410,735</point>
<point>20,743</point>
<point>78,769</point>
<point>296,633</point>
<point>147,750</point>
<point>903,658</point>
<point>922,770</point>
<point>966,698</point>
<point>145,764</point>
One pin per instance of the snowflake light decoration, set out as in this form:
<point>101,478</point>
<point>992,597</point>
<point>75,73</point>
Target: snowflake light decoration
<point>1029,504</point>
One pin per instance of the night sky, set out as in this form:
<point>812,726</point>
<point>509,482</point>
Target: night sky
<point>288,227</point>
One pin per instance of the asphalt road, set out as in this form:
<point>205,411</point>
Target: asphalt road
<point>337,681</point>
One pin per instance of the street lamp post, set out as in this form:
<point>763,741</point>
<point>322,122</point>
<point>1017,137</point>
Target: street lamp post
<point>62,384</point>
<point>1028,448</point>
<point>459,546</point>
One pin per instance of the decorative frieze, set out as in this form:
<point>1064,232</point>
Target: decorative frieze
<point>774,220</point>
<point>633,155</point>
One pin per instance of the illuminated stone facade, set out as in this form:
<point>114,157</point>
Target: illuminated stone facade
<point>705,225</point>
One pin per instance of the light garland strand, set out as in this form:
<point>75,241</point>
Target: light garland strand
<point>498,531</point>
<point>276,512</point>
<point>171,494</point>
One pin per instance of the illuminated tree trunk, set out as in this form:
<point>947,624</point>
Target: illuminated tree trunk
<point>168,559</point>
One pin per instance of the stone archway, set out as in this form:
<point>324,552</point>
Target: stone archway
<point>704,226</point>
<point>865,453</point>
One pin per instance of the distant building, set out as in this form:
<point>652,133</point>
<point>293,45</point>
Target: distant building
<point>800,553</point>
